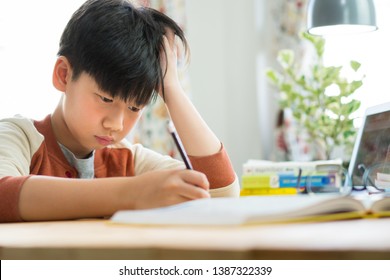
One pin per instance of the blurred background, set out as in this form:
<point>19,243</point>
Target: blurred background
<point>232,44</point>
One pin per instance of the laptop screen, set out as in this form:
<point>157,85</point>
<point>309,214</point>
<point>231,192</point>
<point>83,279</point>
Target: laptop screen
<point>373,142</point>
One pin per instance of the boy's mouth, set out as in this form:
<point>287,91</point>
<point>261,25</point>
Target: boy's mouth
<point>104,140</point>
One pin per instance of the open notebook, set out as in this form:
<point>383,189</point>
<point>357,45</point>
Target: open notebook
<point>259,210</point>
<point>371,146</point>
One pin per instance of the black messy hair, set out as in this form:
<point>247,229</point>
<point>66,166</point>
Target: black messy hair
<point>120,46</point>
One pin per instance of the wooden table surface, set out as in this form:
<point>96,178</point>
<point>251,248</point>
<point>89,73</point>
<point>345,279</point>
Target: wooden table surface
<point>98,239</point>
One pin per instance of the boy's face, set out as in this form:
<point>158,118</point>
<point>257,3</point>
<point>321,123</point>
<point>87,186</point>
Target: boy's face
<point>92,118</point>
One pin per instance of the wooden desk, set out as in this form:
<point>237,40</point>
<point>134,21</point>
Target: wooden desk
<point>95,239</point>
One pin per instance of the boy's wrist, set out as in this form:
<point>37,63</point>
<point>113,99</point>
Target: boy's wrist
<point>125,195</point>
<point>172,92</point>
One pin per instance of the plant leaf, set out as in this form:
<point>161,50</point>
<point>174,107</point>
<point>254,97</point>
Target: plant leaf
<point>273,76</point>
<point>355,65</point>
<point>286,58</point>
<point>317,41</point>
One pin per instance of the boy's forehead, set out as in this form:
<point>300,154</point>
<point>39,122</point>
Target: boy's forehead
<point>130,98</point>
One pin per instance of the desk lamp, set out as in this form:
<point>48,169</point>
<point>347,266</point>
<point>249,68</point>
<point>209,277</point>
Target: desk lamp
<point>326,17</point>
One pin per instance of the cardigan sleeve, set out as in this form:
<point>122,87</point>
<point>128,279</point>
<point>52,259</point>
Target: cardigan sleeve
<point>18,142</point>
<point>217,167</point>
<point>9,198</point>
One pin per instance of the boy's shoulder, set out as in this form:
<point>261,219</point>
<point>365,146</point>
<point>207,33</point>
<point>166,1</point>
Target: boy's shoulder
<point>19,140</point>
<point>18,120</point>
<point>20,127</point>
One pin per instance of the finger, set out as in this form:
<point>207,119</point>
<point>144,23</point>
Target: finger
<point>164,49</point>
<point>189,192</point>
<point>168,54</point>
<point>179,48</point>
<point>171,45</point>
<point>195,178</point>
<point>170,35</point>
<point>167,44</point>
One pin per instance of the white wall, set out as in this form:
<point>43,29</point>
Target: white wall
<point>29,36</point>
<point>226,47</point>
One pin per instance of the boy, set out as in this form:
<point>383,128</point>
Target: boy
<point>112,60</point>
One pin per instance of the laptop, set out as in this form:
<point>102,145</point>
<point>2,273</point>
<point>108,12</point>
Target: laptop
<point>372,143</point>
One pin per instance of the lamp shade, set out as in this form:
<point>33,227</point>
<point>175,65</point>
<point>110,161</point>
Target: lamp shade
<point>340,16</point>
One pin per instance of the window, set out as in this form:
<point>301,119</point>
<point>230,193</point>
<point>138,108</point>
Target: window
<point>372,51</point>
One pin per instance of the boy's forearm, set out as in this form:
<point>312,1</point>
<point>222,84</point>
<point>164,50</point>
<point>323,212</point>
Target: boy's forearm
<point>50,198</point>
<point>198,139</point>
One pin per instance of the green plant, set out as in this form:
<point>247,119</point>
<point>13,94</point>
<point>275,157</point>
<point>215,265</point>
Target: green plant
<point>325,117</point>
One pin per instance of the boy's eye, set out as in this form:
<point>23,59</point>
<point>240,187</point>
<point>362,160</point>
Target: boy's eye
<point>105,99</point>
<point>134,109</point>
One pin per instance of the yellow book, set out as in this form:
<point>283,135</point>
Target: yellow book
<point>268,191</point>
<point>260,181</point>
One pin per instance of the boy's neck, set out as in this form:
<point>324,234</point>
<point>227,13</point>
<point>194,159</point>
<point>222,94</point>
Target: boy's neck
<point>64,136</point>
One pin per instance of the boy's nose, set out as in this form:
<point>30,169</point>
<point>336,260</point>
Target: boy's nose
<point>114,121</point>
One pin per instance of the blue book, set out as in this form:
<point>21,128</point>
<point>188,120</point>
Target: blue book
<point>314,181</point>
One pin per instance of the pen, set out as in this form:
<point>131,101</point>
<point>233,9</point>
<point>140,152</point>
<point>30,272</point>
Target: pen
<point>179,145</point>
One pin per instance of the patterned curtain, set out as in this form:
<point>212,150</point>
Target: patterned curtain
<point>290,20</point>
<point>151,130</point>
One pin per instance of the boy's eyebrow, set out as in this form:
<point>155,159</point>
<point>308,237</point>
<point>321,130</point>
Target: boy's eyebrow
<point>130,102</point>
<point>134,104</point>
<point>104,94</point>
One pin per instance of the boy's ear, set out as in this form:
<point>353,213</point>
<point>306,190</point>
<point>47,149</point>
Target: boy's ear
<point>62,73</point>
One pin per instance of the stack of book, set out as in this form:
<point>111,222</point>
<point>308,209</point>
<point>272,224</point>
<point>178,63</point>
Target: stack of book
<point>382,181</point>
<point>287,178</point>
